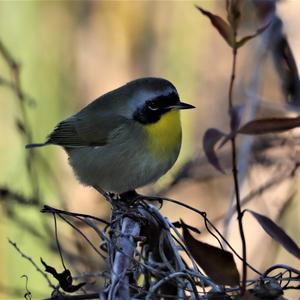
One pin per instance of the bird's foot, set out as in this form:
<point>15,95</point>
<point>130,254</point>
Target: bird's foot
<point>129,198</point>
<point>132,197</point>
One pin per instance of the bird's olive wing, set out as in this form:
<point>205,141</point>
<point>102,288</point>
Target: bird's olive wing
<point>80,131</point>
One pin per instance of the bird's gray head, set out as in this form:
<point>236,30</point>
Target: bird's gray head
<point>152,97</point>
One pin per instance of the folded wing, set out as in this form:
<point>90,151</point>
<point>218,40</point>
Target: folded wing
<point>80,131</point>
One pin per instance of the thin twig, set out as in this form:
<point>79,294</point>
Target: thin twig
<point>83,235</point>
<point>17,87</point>
<point>235,170</point>
<point>166,279</point>
<point>203,214</point>
<point>280,266</point>
<point>274,181</point>
<point>49,209</point>
<point>33,263</point>
<point>57,242</point>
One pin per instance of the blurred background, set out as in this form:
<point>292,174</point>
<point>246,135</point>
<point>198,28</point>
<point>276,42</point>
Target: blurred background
<point>70,52</point>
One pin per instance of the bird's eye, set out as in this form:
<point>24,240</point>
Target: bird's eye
<point>152,106</point>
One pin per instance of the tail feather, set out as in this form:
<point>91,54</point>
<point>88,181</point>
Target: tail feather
<point>29,146</point>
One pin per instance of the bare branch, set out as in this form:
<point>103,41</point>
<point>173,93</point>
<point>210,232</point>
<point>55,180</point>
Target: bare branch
<point>33,263</point>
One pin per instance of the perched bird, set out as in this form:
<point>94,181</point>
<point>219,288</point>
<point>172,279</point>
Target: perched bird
<point>124,139</point>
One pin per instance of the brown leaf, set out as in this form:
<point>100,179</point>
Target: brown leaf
<point>245,39</point>
<point>210,139</point>
<point>277,233</point>
<point>218,264</point>
<point>222,26</point>
<point>263,126</point>
<point>64,278</point>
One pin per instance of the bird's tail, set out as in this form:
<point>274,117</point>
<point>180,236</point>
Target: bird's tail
<point>29,146</point>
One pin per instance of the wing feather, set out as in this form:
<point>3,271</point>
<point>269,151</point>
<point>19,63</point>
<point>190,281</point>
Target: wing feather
<point>85,130</point>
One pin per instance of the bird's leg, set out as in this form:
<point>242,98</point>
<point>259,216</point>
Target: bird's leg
<point>105,194</point>
<point>128,205</point>
<point>131,197</point>
<point>112,198</point>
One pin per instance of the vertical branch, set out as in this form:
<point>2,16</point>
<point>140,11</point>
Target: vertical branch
<point>124,234</point>
<point>232,78</point>
<point>16,86</point>
<point>252,103</point>
<point>234,168</point>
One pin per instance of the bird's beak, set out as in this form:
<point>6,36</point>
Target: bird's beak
<point>181,105</point>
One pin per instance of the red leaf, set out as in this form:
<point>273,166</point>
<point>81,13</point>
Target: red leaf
<point>210,139</point>
<point>277,233</point>
<point>262,126</point>
<point>222,26</point>
<point>218,264</point>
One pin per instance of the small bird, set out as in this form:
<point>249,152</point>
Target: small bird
<point>124,139</point>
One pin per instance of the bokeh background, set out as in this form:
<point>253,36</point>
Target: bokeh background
<point>69,53</point>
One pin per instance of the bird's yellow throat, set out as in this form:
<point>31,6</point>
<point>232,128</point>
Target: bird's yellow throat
<point>164,136</point>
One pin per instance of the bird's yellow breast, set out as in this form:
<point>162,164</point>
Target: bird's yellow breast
<point>164,136</point>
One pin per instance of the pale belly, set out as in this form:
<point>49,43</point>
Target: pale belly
<point>115,169</point>
<point>131,159</point>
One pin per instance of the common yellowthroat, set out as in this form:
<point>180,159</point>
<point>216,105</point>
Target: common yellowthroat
<point>124,139</point>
